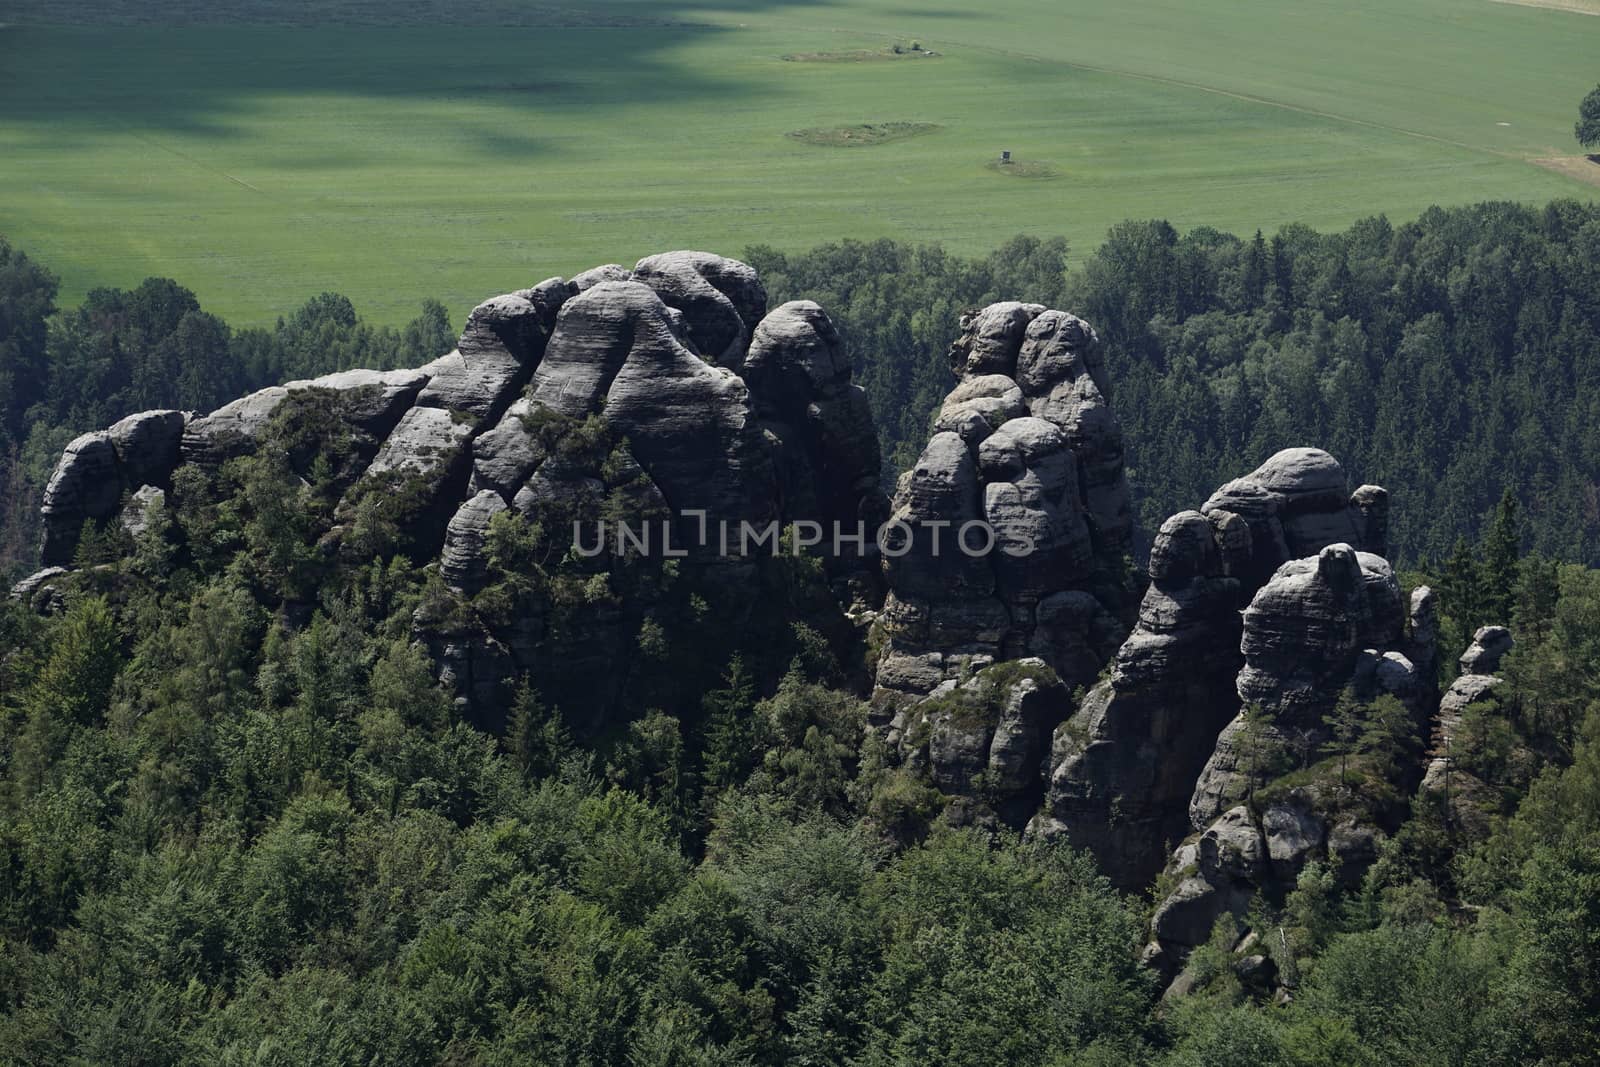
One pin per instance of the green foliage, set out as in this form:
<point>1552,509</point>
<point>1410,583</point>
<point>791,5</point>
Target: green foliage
<point>810,736</point>
<point>537,739</point>
<point>71,691</point>
<point>122,351</point>
<point>1258,749</point>
<point>729,746</point>
<point>1587,130</point>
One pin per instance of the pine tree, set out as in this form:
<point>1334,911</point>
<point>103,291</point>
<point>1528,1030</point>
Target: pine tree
<point>536,738</point>
<point>1255,270</point>
<point>728,734</point>
<point>1499,569</point>
<point>1344,723</point>
<point>1387,732</point>
<point>72,690</point>
<point>1460,586</point>
<point>1537,593</point>
<point>1257,748</point>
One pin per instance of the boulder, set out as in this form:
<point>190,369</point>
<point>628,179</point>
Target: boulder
<point>86,485</point>
<point>147,447</point>
<point>979,406</point>
<point>464,560</point>
<point>1489,646</point>
<point>504,456</point>
<point>609,272</point>
<point>502,343</point>
<point>721,300</point>
<point>595,334</point>
<point>39,592</point>
<point>991,339</point>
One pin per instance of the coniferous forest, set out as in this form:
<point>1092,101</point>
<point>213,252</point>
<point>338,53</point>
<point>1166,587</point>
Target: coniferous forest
<point>242,823</point>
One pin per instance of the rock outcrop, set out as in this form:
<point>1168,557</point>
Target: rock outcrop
<point>1013,531</point>
<point>1317,626</point>
<point>1324,628</point>
<point>1479,683</point>
<point>665,394</point>
<point>98,469</point>
<point>1125,767</point>
<point>985,738</point>
<point>598,454</point>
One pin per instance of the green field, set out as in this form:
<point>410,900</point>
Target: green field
<point>392,158</point>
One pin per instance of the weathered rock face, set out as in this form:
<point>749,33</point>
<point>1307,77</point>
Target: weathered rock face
<point>1478,683</point>
<point>1296,503</point>
<point>1489,646</point>
<point>985,737</point>
<point>1322,626</point>
<point>39,593</point>
<point>135,516</point>
<point>1305,634</point>
<point>96,471</point>
<point>663,392</point>
<point>463,563</point>
<point>1124,769</point>
<point>722,300</point>
<point>799,378</point>
<point>1013,529</point>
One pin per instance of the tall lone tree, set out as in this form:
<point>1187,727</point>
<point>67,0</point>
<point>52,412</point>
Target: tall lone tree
<point>1587,131</point>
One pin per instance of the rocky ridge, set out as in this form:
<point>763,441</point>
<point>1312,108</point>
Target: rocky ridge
<point>1033,683</point>
<point>666,393</point>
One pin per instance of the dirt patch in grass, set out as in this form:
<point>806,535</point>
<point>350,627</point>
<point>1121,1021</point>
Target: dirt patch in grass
<point>859,136</point>
<point>862,55</point>
<point>1025,168</point>
<point>1583,168</point>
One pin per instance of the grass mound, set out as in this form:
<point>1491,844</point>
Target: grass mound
<point>866,133</point>
<point>1026,168</point>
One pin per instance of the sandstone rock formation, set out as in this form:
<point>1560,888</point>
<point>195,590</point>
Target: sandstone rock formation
<point>1026,448</point>
<point>668,397</point>
<point>98,469</point>
<point>1125,767</point>
<point>1321,627</point>
<point>986,736</point>
<point>666,391</point>
<point>1478,684</point>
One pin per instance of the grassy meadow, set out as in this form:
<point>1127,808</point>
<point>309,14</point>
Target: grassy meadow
<point>403,152</point>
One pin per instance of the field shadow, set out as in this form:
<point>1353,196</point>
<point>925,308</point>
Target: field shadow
<point>183,66</point>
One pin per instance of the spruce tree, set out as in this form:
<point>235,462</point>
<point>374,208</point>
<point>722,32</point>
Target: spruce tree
<point>1344,723</point>
<point>536,736</point>
<point>728,738</point>
<point>1499,566</point>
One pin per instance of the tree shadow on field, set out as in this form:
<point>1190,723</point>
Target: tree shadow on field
<point>70,69</point>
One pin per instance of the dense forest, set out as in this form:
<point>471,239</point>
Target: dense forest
<point>235,834</point>
<point>229,836</point>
